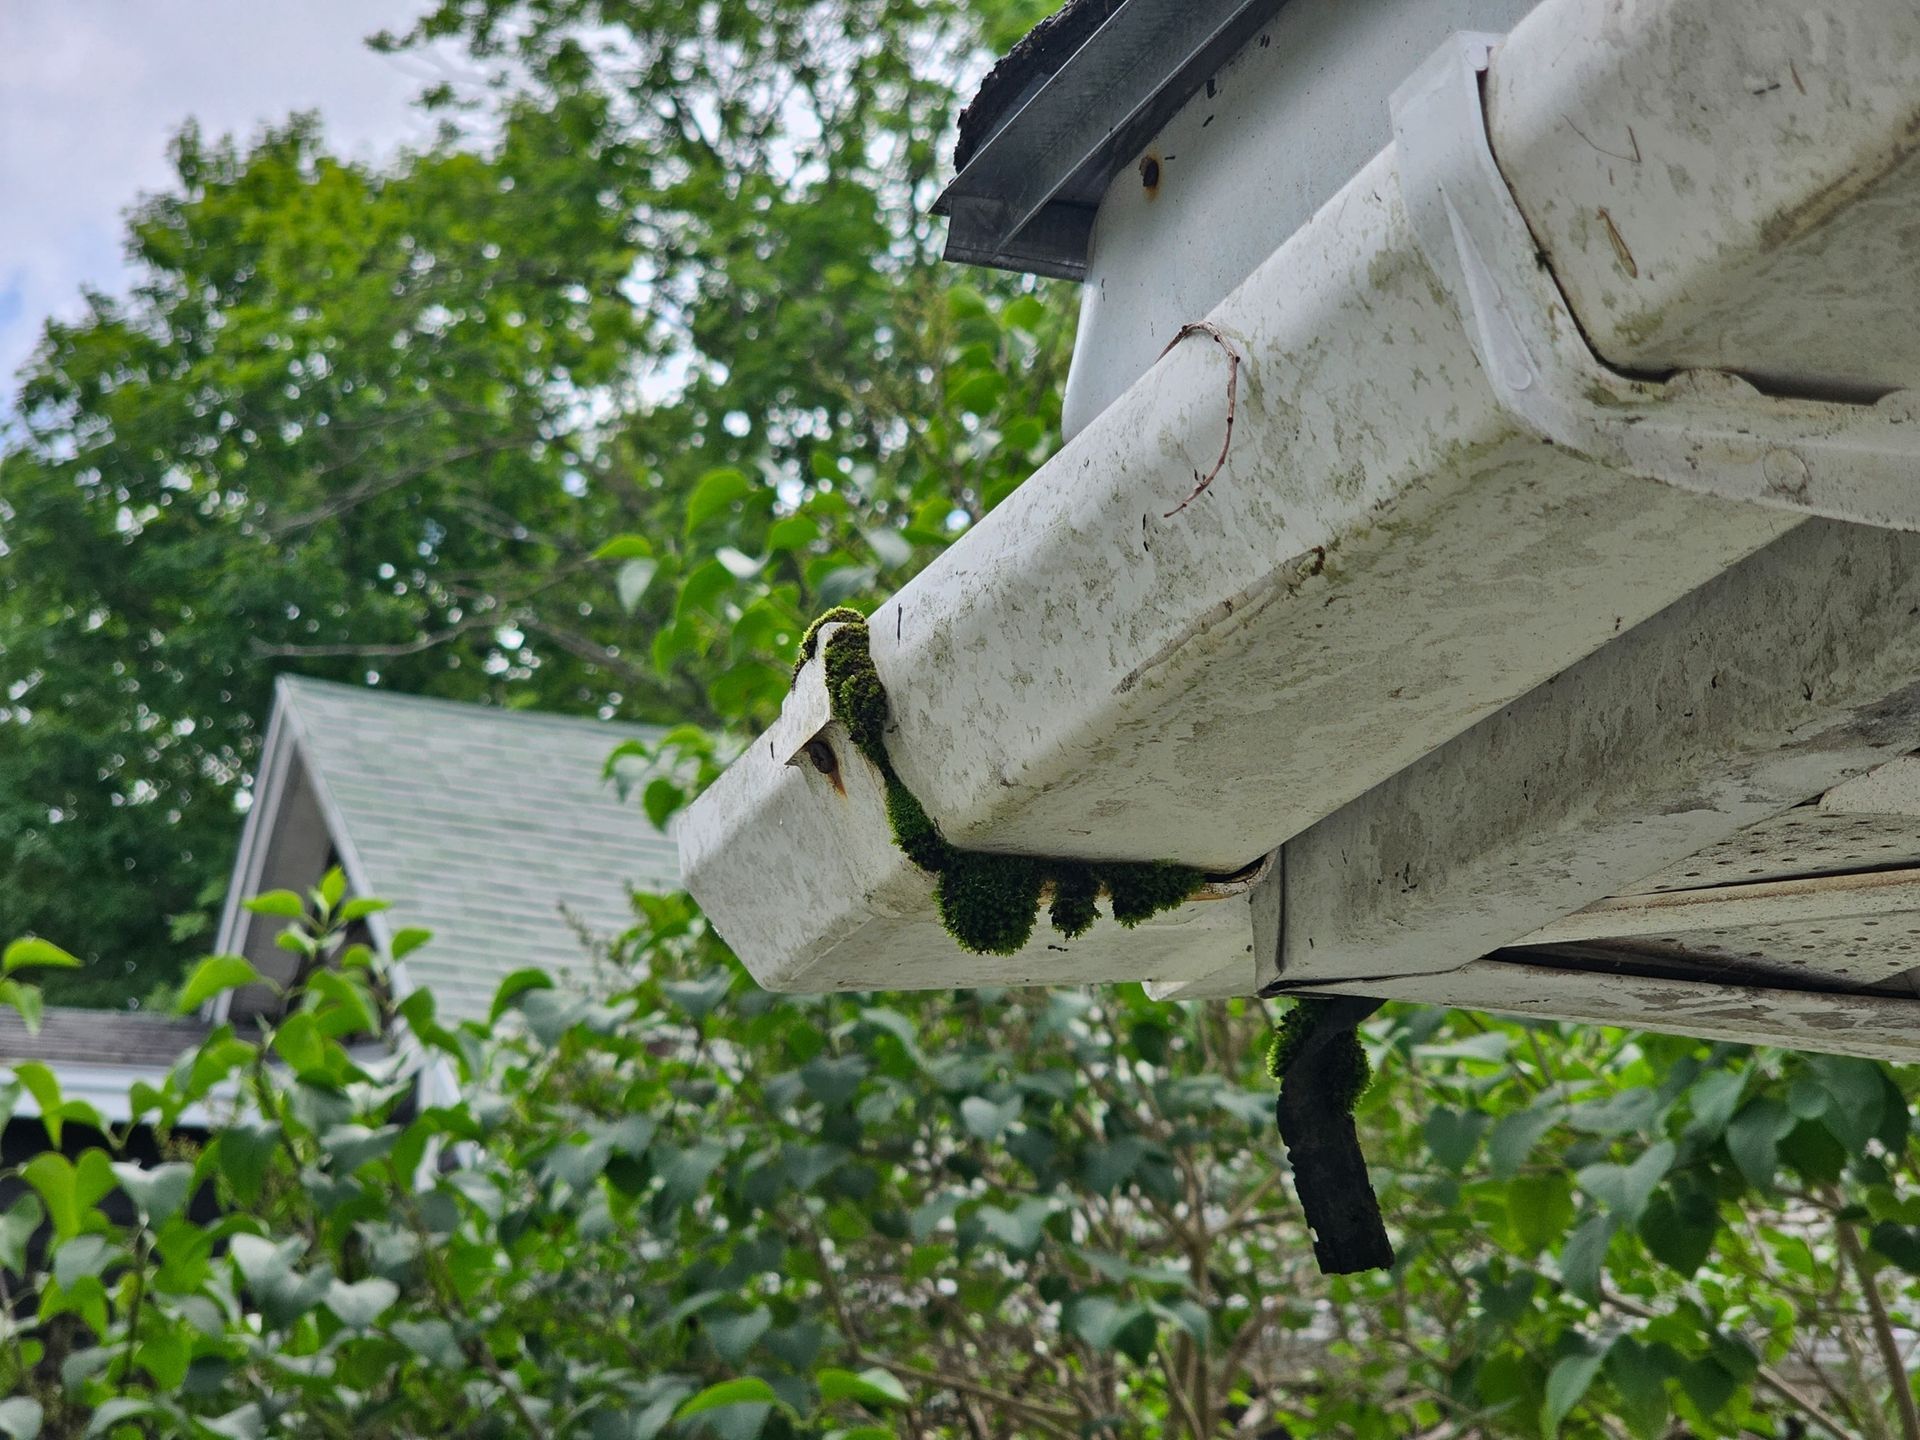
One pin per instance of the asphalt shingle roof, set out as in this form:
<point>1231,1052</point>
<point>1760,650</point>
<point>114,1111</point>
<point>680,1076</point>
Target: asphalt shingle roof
<point>490,827</point>
<point>100,1037</point>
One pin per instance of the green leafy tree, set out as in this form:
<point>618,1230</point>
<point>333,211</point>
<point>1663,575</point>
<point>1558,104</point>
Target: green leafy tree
<point>588,408</point>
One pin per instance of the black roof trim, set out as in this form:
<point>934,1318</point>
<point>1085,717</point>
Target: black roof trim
<point>1073,102</point>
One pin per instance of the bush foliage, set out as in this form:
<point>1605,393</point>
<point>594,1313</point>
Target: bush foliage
<point>686,1207</point>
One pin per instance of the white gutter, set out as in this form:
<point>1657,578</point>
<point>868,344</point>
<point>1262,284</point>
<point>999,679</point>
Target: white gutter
<point>1435,501</point>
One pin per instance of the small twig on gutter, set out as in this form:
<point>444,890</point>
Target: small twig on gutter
<point>1207,327</point>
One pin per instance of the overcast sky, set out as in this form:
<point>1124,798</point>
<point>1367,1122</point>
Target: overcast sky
<point>91,91</point>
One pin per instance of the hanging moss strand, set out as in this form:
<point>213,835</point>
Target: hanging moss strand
<point>988,903</point>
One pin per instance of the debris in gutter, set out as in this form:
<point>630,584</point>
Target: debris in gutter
<point>988,903</point>
<point>1323,1072</point>
<point>1033,61</point>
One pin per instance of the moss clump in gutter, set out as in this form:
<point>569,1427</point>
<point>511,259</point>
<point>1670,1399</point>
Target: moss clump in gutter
<point>809,642</point>
<point>1353,1073</point>
<point>988,903</point>
<point>1322,1069</point>
<point>1076,891</point>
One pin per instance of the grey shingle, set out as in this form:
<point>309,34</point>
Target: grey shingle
<point>480,824</point>
<point>100,1037</point>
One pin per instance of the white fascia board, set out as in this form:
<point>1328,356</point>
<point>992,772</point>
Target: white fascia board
<point>277,756</point>
<point>1389,555</point>
<point>108,1089</point>
<point>1793,671</point>
<point>1875,1027</point>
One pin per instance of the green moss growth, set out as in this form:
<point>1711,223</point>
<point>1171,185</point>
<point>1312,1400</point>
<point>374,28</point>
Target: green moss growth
<point>858,698</point>
<point>839,615</point>
<point>1076,892</point>
<point>1139,891</point>
<point>914,831</point>
<point>1354,1073</point>
<point>988,903</point>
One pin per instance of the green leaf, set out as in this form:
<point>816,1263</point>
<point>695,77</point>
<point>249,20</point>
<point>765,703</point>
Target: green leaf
<point>513,987</point>
<point>662,799</point>
<point>630,582</point>
<point>55,1180</point>
<point>1584,1256</point>
<point>986,1120</point>
<point>700,996</point>
<point>358,1305</point>
<point>246,1423</point>
<point>432,1340</point>
<point>842,583</point>
<point>833,1081</point>
<point>1567,1385</point>
<point>333,887</point>
<point>870,1387</point>
<point>1898,1243</point>
<point>283,1292</point>
<point>1019,1229</point>
<point>1453,1135</point>
<point>795,532</point>
<point>1540,1208</point>
<point>683,1173</point>
<point>1625,1188</point>
<point>1679,1225</point>
<point>1136,1333</point>
<point>747,1390</point>
<point>1714,1098</point>
<point>35,953</point>
<point>118,1411</point>
<point>891,547</point>
<point>244,1150</point>
<point>44,1086</point>
<point>1107,1167</point>
<point>158,1194</point>
<point>732,1336</point>
<point>348,1147</point>
<point>625,547</point>
<point>21,1418</point>
<point>1636,1374</point>
<point>713,493</point>
<point>349,1008</point>
<point>1753,1139</point>
<point>1858,1096</point>
<point>1708,1384</point>
<point>1025,313</point>
<point>1513,1137</point>
<point>165,1354</point>
<point>214,976</point>
<point>301,1044</point>
<point>27,1000</point>
<point>406,941</point>
<point>283,903</point>
<point>978,392</point>
<point>17,1227</point>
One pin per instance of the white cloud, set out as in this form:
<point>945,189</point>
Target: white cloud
<point>91,91</point>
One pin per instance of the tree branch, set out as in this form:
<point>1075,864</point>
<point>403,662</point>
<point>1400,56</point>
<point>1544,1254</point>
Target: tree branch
<point>1052,1419</point>
<point>1883,1336</point>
